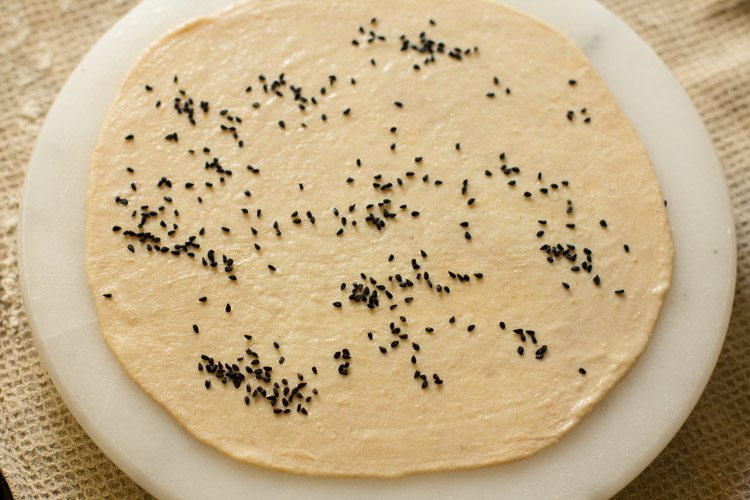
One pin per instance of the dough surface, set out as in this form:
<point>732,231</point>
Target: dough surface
<point>219,211</point>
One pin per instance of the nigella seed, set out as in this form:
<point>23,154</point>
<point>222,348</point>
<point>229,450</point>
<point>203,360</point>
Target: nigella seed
<point>539,354</point>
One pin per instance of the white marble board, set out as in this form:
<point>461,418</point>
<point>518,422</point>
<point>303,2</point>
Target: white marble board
<point>595,460</point>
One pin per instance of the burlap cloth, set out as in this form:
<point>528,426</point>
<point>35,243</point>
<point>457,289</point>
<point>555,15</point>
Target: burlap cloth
<point>44,452</point>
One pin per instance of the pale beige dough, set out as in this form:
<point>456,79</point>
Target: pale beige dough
<point>494,405</point>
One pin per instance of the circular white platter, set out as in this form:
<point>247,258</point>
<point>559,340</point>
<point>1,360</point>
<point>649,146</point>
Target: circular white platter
<point>595,460</point>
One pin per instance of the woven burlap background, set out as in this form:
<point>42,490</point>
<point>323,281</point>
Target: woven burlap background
<point>44,452</point>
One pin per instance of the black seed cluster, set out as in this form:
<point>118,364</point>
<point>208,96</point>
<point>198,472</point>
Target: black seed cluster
<point>259,381</point>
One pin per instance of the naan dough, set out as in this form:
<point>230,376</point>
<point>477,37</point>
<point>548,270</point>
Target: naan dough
<point>494,405</point>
